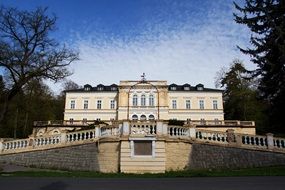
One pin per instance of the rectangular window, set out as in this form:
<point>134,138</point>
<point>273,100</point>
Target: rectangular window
<point>72,104</point>
<point>174,104</point>
<point>112,104</point>
<point>135,100</point>
<point>215,104</point>
<point>201,104</point>
<point>188,104</point>
<point>142,148</point>
<point>85,105</point>
<point>143,100</point>
<point>151,100</point>
<point>84,120</point>
<point>99,104</point>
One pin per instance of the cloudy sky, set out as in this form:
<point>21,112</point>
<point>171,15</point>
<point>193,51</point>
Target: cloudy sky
<point>181,41</point>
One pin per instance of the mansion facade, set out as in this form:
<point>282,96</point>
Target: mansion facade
<point>144,100</point>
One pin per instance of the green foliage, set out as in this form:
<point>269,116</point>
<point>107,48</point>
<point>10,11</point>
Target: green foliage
<point>28,53</point>
<point>36,102</point>
<point>266,20</point>
<point>241,100</point>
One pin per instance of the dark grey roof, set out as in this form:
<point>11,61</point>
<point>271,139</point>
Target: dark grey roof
<point>171,87</point>
<point>99,88</point>
<point>188,87</point>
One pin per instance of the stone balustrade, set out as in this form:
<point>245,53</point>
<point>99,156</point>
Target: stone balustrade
<point>212,136</point>
<point>109,131</point>
<point>254,140</point>
<point>193,122</point>
<point>46,140</point>
<point>80,135</point>
<point>221,123</point>
<point>15,144</point>
<point>178,131</point>
<point>279,143</point>
<point>143,128</point>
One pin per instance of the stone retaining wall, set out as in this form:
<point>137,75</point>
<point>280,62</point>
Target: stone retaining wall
<point>177,155</point>
<point>86,157</point>
<point>205,156</point>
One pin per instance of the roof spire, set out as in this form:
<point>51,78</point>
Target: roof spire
<point>143,77</point>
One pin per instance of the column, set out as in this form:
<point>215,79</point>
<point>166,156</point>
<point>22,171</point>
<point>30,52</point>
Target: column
<point>126,128</point>
<point>270,143</point>
<point>63,138</point>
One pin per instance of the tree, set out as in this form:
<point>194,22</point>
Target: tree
<point>27,52</point>
<point>241,101</point>
<point>266,20</point>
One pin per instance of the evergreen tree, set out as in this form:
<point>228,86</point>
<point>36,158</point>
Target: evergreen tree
<point>266,20</point>
<point>241,100</point>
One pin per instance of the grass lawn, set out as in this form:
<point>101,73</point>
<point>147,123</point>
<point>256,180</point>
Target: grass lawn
<point>267,171</point>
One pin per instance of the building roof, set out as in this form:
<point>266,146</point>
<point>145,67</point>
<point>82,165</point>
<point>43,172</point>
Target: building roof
<point>188,87</point>
<point>171,87</point>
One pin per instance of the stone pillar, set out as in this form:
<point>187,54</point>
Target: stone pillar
<point>97,131</point>
<point>32,142</point>
<point>1,145</point>
<point>238,138</point>
<point>270,143</point>
<point>231,136</point>
<point>165,129</point>
<point>63,138</point>
<point>126,128</point>
<point>159,128</point>
<point>192,132</point>
<point>120,129</point>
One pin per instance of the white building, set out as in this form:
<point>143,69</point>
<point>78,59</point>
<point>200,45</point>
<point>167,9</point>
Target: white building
<point>144,100</point>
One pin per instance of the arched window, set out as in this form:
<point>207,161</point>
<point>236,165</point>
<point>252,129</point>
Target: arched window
<point>143,100</point>
<point>143,118</point>
<point>151,117</point>
<point>135,100</point>
<point>151,100</point>
<point>135,117</point>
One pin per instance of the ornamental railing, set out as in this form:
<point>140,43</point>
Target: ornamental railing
<point>145,129</point>
<point>212,136</point>
<point>178,131</point>
<point>193,122</point>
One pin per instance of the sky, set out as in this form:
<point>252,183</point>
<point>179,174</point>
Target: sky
<point>181,41</point>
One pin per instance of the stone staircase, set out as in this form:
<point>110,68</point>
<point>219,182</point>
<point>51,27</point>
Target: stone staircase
<point>112,148</point>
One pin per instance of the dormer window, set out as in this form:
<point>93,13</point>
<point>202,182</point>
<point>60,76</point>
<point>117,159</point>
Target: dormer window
<point>186,88</point>
<point>87,87</point>
<point>199,88</point>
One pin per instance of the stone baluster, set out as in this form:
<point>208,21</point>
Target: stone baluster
<point>97,132</point>
<point>126,128</point>
<point>159,128</point>
<point>63,138</point>
<point>231,136</point>
<point>270,143</point>
<point>192,132</point>
<point>2,145</point>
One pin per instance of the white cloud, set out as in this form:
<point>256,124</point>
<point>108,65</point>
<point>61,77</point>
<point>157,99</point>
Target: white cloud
<point>188,54</point>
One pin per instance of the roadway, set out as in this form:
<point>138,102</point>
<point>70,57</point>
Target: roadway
<point>195,183</point>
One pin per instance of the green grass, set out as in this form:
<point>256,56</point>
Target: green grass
<point>268,171</point>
